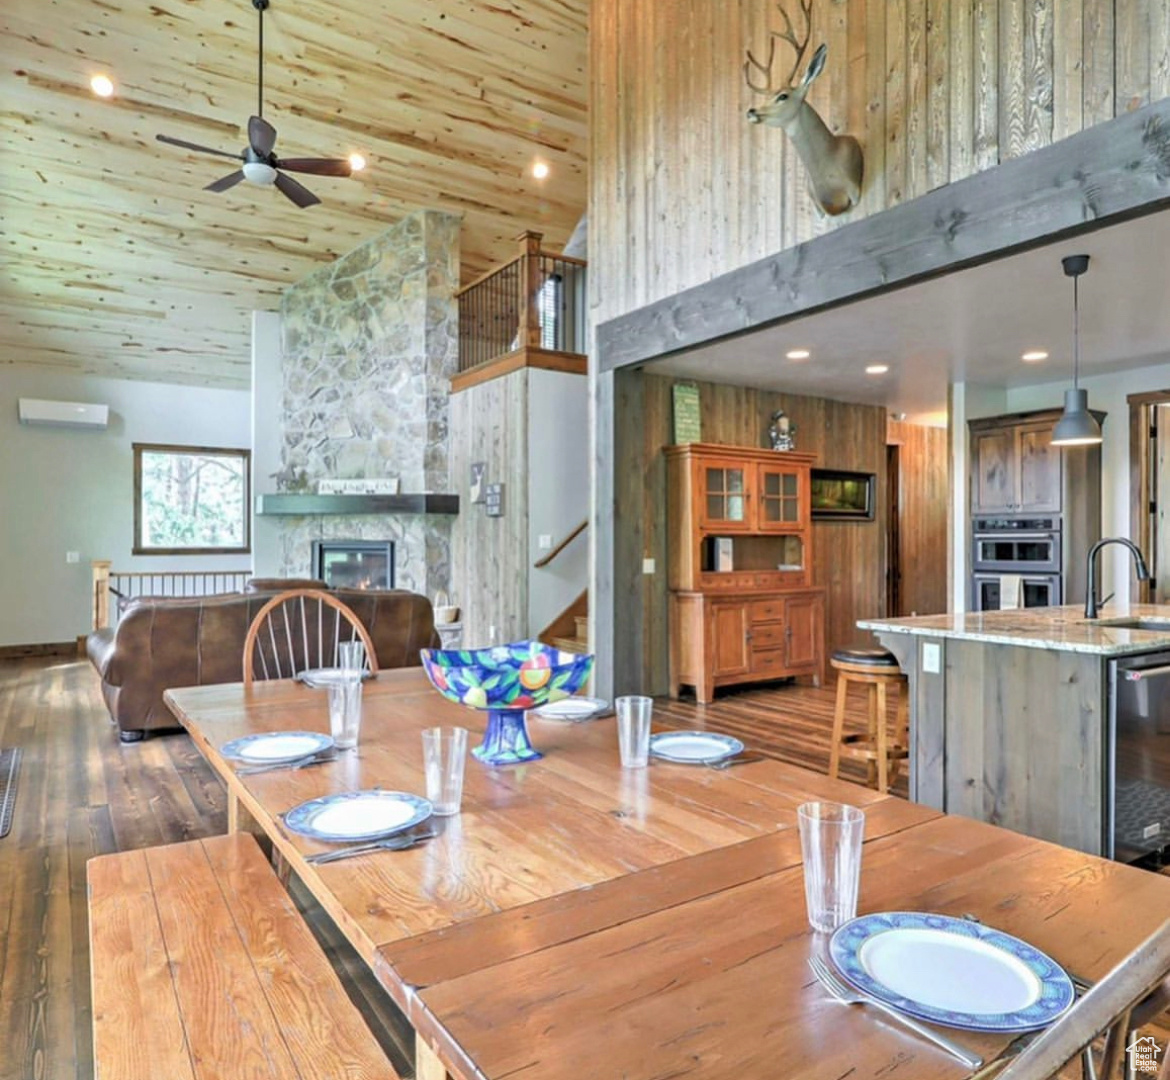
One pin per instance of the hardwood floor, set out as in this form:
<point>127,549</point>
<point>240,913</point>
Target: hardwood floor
<point>790,722</point>
<point>82,793</point>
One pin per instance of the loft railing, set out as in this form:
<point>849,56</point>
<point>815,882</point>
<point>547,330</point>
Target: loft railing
<point>534,301</point>
<point>114,589</point>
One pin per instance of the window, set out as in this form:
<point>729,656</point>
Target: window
<point>191,500</point>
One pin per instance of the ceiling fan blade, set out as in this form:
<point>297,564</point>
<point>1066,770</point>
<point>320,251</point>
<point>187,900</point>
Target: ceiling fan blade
<point>297,192</point>
<point>261,135</point>
<point>229,181</point>
<point>197,148</point>
<point>317,166</point>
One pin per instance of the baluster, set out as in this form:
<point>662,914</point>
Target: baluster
<point>305,637</point>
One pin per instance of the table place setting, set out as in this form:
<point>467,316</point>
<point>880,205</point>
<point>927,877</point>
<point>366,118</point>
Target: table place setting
<point>955,972</point>
<point>273,750</point>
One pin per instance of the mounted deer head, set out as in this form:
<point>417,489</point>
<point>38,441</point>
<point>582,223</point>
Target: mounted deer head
<point>835,163</point>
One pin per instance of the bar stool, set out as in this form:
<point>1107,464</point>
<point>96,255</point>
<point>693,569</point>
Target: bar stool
<point>878,669</point>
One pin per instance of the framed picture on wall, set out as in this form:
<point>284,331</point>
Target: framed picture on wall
<point>843,496</point>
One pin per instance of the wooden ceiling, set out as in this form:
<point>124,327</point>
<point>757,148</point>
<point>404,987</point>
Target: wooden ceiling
<point>117,263</point>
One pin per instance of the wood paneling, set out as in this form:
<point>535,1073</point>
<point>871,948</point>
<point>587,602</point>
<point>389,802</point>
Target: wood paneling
<point>124,266</point>
<point>683,189</point>
<point>922,524</point>
<point>489,555</point>
<point>848,556</point>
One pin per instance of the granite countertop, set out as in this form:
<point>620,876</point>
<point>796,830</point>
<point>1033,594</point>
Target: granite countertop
<point>1064,629</point>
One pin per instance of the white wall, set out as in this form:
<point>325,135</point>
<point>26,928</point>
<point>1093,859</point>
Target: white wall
<point>558,490</point>
<point>1109,393</point>
<point>267,435</point>
<point>66,490</point>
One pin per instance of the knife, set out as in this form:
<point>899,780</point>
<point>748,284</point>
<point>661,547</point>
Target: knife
<point>393,843</point>
<point>318,757</point>
<point>737,759</point>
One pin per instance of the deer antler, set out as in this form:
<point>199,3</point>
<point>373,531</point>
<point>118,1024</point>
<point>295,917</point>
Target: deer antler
<point>788,34</point>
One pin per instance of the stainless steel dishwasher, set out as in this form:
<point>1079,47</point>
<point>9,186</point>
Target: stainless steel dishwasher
<point>1138,803</point>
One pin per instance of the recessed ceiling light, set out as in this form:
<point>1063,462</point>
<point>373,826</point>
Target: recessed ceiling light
<point>798,354</point>
<point>1033,356</point>
<point>540,170</point>
<point>357,162</point>
<point>102,85</point>
<point>877,369</point>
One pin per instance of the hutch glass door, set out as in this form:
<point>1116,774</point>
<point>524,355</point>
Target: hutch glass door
<point>725,495</point>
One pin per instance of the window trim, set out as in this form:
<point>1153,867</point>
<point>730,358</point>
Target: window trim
<point>207,451</point>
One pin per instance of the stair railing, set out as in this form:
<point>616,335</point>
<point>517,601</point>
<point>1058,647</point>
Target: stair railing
<point>541,563</point>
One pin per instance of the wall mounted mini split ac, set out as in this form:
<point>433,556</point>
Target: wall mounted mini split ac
<point>74,414</point>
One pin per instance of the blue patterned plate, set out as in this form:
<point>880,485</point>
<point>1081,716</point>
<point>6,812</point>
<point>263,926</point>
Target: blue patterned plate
<point>694,747</point>
<point>276,747</point>
<point>950,971</point>
<point>357,815</point>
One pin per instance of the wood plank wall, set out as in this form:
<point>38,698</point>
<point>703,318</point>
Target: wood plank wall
<point>849,557</point>
<point>922,526</point>
<point>684,189</point>
<point>489,571</point>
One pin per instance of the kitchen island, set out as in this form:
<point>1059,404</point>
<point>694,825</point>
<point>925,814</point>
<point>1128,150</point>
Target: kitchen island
<point>1014,721</point>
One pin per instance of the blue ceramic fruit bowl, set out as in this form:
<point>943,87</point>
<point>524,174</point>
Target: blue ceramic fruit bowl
<point>506,681</point>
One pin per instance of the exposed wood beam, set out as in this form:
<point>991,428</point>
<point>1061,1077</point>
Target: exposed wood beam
<point>1117,170</point>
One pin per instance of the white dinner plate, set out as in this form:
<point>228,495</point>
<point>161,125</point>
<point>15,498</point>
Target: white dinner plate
<point>694,747</point>
<point>572,709</point>
<point>274,747</point>
<point>952,971</point>
<point>357,815</point>
<point>317,678</point>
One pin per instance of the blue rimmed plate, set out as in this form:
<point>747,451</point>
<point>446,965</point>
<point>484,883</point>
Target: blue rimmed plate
<point>694,747</point>
<point>319,678</point>
<point>276,747</point>
<point>952,971</point>
<point>357,815</point>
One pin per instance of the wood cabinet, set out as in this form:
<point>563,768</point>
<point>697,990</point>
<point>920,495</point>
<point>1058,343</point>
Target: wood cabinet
<point>742,606</point>
<point>1015,469</point>
<point>1016,473</point>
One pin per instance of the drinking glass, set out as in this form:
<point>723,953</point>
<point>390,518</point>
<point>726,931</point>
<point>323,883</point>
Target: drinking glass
<point>830,842</point>
<point>351,655</point>
<point>633,722</point>
<point>345,711</point>
<point>444,753</point>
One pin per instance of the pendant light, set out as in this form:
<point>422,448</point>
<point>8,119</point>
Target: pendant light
<point>1077,426</point>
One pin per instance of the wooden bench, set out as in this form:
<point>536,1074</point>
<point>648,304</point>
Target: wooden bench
<point>203,968</point>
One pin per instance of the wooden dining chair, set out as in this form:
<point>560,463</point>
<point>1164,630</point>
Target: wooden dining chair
<point>301,629</point>
<point>1135,992</point>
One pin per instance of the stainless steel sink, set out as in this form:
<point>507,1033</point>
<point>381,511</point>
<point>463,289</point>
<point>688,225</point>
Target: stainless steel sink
<point>1155,625</point>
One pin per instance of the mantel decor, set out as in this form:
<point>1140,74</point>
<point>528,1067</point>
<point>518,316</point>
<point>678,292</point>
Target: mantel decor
<point>843,496</point>
<point>299,505</point>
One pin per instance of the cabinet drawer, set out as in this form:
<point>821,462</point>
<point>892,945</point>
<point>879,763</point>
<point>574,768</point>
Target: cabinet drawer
<point>727,582</point>
<point>768,635</point>
<point>768,661</point>
<point>767,610</point>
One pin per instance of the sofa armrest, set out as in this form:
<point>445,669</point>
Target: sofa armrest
<point>99,647</point>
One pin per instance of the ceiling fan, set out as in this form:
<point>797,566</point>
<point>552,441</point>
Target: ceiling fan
<point>260,165</point>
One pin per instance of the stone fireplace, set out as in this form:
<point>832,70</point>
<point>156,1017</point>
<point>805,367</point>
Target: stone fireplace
<point>369,344</point>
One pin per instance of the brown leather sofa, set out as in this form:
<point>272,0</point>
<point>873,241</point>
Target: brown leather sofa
<point>163,643</point>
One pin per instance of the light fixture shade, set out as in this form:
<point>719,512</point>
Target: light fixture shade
<point>259,173</point>
<point>1077,426</point>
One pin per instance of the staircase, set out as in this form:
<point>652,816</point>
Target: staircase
<point>569,631</point>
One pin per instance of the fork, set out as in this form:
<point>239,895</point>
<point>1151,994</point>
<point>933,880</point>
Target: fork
<point>849,995</point>
<point>318,757</point>
<point>393,843</point>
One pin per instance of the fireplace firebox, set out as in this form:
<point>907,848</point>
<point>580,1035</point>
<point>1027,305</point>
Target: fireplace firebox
<point>354,564</point>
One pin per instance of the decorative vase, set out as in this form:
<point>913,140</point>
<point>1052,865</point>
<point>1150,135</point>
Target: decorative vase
<point>506,681</point>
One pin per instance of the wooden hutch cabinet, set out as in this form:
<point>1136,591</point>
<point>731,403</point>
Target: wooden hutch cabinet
<point>742,604</point>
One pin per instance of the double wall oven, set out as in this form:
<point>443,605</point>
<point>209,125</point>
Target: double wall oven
<point>1008,547</point>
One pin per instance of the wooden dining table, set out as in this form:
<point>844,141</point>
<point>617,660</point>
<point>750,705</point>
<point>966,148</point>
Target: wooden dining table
<point>578,919</point>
